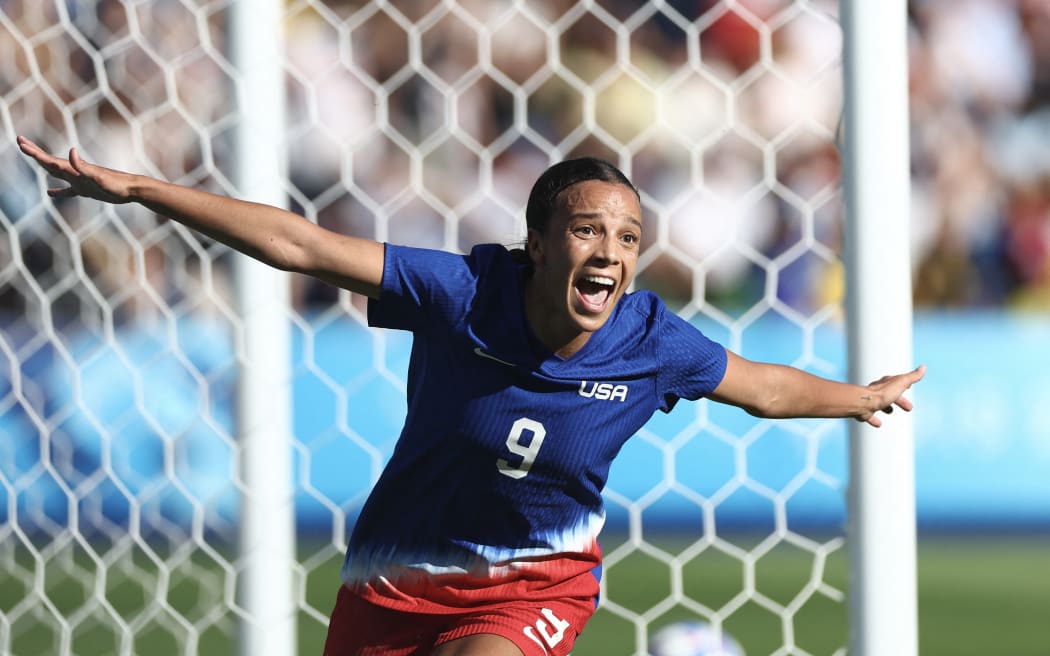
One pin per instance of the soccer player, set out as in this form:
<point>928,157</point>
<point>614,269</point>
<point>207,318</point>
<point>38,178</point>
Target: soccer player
<point>529,370</point>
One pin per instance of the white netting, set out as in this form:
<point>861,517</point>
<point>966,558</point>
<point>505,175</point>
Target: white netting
<point>420,122</point>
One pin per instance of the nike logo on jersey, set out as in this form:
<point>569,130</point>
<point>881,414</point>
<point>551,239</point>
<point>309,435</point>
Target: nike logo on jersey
<point>603,391</point>
<point>481,352</point>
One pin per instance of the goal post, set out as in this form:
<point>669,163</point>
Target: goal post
<point>266,550</point>
<point>877,173</point>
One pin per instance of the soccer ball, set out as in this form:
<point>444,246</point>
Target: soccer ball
<point>692,638</point>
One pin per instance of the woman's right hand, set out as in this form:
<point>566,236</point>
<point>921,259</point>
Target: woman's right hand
<point>86,180</point>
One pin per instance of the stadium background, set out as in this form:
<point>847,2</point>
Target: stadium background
<point>981,253</point>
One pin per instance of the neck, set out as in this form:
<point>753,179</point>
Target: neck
<point>549,325</point>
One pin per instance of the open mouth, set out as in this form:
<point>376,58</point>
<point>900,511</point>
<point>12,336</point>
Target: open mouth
<point>594,292</point>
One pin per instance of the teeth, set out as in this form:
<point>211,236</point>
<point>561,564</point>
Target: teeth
<point>600,280</point>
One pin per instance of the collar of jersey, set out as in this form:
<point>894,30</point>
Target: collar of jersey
<point>496,323</point>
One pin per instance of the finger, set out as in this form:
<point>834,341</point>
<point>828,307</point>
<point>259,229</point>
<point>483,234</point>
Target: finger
<point>80,166</point>
<point>62,192</point>
<point>53,165</point>
<point>875,421</point>
<point>919,372</point>
<point>83,168</point>
<point>905,404</point>
<point>27,146</point>
<point>31,149</point>
<point>76,162</point>
<point>59,169</point>
<point>916,374</point>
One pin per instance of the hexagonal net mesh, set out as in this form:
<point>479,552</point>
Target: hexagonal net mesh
<point>421,122</point>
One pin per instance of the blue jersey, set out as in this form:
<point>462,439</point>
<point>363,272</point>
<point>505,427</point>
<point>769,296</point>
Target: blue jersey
<point>498,473</point>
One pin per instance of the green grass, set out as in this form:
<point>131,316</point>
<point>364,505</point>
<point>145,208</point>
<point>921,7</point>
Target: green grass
<point>783,577</point>
<point>976,596</point>
<point>984,596</point>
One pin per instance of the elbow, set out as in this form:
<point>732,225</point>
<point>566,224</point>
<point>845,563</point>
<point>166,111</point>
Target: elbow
<point>768,407</point>
<point>763,413</point>
<point>762,410</point>
<point>756,412</point>
<point>290,244</point>
<point>283,254</point>
<point>761,390</point>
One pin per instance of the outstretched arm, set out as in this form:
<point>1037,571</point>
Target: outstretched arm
<point>277,237</point>
<point>779,391</point>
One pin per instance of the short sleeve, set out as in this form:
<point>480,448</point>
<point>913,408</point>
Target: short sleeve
<point>421,286</point>
<point>692,365</point>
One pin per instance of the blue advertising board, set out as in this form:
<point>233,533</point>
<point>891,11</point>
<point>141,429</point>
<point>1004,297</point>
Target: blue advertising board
<point>108,420</point>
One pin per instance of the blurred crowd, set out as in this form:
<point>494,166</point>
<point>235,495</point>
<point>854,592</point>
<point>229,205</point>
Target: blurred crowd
<point>422,124</point>
<point>980,107</point>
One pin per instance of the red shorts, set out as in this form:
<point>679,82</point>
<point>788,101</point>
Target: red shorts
<point>540,628</point>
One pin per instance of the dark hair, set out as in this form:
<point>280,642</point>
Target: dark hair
<point>560,177</point>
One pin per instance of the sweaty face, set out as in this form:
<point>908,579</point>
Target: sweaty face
<point>583,263</point>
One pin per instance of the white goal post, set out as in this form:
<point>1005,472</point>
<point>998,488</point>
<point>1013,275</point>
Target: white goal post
<point>265,385</point>
<point>187,437</point>
<point>884,603</point>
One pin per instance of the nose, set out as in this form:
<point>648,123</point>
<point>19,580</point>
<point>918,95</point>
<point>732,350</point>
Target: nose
<point>608,249</point>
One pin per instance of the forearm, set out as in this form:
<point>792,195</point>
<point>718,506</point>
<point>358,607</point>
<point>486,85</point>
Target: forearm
<point>267,233</point>
<point>791,393</point>
<point>778,391</point>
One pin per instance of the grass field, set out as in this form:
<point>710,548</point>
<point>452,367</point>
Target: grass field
<point>980,597</point>
<point>977,597</point>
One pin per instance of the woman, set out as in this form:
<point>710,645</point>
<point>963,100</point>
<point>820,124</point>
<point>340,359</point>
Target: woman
<point>529,370</point>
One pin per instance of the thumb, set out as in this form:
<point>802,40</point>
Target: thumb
<point>87,171</point>
<point>76,162</point>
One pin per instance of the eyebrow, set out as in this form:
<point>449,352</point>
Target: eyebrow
<point>594,215</point>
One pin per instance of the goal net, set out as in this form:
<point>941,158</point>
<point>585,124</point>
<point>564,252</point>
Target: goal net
<point>422,122</point>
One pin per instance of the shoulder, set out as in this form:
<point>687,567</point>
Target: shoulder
<point>643,306</point>
<point>421,282</point>
<point>492,257</point>
<point>438,265</point>
<point>644,318</point>
<point>688,364</point>
<point>634,330</point>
